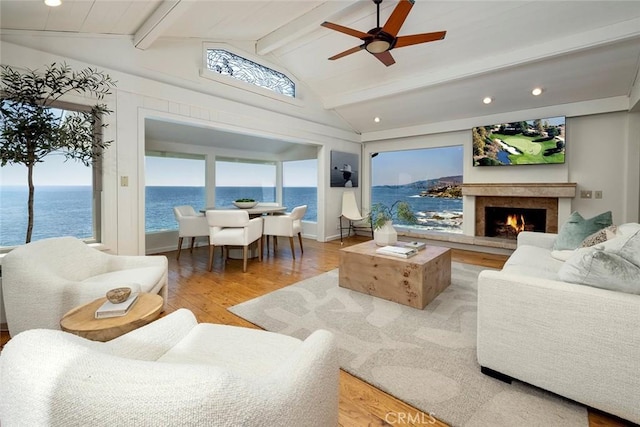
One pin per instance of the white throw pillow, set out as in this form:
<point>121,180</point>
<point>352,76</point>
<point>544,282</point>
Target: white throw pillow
<point>616,268</point>
<point>602,270</point>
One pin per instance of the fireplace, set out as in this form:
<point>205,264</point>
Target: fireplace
<point>533,206</point>
<point>508,222</point>
<point>540,213</point>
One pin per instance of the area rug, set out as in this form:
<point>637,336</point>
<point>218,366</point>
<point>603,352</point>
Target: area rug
<point>426,358</point>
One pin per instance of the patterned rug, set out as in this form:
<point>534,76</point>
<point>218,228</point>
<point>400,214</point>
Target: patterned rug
<point>426,358</point>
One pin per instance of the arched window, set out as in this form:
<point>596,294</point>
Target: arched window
<point>226,63</point>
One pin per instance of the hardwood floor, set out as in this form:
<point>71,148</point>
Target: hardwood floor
<point>209,294</point>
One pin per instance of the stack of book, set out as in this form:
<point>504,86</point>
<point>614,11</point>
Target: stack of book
<point>109,309</point>
<point>397,251</point>
<point>414,245</point>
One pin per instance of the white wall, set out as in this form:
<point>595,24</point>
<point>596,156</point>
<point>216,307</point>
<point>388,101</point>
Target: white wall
<point>602,156</point>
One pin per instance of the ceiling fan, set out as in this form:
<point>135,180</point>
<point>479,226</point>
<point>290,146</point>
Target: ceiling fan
<point>380,40</point>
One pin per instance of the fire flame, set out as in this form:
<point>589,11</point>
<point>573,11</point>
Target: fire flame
<point>512,220</point>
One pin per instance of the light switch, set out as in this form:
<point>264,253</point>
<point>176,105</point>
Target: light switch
<point>124,181</point>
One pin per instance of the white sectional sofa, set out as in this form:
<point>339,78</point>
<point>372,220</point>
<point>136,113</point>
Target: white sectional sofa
<point>578,341</point>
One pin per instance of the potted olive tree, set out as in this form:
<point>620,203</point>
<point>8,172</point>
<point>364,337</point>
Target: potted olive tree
<point>382,217</point>
<point>31,127</point>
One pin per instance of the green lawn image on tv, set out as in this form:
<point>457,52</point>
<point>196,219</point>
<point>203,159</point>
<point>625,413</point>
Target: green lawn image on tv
<point>532,152</point>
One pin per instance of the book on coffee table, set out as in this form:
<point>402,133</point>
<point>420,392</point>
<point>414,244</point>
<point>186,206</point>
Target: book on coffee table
<point>414,245</point>
<point>397,251</point>
<point>109,309</point>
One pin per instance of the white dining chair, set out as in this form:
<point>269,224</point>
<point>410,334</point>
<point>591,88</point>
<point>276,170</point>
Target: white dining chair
<point>351,213</point>
<point>190,224</point>
<point>233,228</point>
<point>288,225</point>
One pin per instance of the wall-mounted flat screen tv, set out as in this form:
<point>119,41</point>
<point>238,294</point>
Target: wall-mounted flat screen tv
<point>529,142</point>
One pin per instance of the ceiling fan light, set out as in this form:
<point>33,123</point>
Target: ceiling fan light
<point>53,3</point>
<point>378,46</point>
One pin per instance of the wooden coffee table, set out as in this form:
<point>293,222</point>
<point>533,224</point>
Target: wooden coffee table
<point>81,320</point>
<point>414,281</point>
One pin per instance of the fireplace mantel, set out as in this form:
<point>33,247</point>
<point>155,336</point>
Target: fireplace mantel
<point>553,189</point>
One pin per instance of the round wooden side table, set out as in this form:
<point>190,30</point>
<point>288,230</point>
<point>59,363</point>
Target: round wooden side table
<point>81,320</point>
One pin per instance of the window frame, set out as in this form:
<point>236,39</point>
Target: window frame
<point>96,175</point>
<point>239,84</point>
<point>171,155</point>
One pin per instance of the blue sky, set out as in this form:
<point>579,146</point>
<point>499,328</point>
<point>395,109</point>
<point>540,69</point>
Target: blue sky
<point>390,168</point>
<point>163,171</point>
<point>404,167</point>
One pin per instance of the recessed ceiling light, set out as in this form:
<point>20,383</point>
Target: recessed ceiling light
<point>487,100</point>
<point>53,3</point>
<point>376,119</point>
<point>536,91</point>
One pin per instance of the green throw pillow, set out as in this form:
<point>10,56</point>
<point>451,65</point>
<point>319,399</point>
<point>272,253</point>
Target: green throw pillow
<point>576,229</point>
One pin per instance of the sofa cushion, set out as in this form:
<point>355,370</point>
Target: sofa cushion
<point>601,269</point>
<point>146,277</point>
<point>576,229</point>
<point>562,255</point>
<point>533,261</point>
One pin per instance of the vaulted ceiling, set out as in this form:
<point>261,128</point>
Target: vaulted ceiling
<point>574,50</point>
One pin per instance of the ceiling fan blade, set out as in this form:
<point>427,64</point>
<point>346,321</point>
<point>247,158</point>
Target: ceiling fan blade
<point>419,38</point>
<point>346,30</point>
<point>385,58</point>
<point>347,52</point>
<point>399,14</point>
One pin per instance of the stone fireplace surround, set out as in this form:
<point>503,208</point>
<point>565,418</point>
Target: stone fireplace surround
<point>555,198</point>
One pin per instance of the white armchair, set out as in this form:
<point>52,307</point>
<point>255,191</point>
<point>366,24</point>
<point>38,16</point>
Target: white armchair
<point>42,280</point>
<point>351,213</point>
<point>190,224</point>
<point>285,225</point>
<point>233,228</point>
<point>173,371</point>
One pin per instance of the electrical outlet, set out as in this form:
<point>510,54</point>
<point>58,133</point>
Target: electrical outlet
<point>585,194</point>
<point>597,194</point>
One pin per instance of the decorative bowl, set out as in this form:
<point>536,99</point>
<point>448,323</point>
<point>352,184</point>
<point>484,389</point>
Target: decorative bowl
<point>118,295</point>
<point>245,205</point>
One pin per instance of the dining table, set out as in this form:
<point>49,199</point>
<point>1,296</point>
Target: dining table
<point>253,212</point>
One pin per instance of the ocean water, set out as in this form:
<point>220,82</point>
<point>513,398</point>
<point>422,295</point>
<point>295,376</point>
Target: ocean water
<point>66,210</point>
<point>161,200</point>
<point>433,213</point>
<point>58,211</point>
